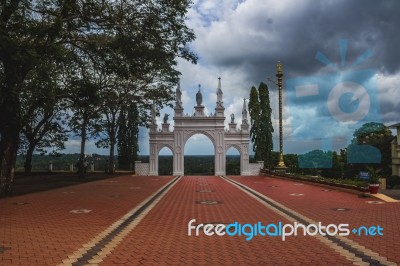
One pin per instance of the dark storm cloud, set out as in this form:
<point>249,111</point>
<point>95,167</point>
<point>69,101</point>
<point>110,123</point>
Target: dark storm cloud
<point>298,32</point>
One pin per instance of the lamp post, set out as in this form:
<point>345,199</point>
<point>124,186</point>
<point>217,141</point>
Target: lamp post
<point>279,74</point>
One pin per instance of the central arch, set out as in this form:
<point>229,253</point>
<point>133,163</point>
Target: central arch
<point>201,159</point>
<point>211,125</point>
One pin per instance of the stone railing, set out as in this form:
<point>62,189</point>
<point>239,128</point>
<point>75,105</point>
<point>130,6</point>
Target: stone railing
<point>142,168</point>
<point>254,168</point>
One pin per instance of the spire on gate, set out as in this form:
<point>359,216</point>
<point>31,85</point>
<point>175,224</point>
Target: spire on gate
<point>178,95</point>
<point>245,124</point>
<point>153,112</point>
<point>244,112</point>
<point>220,103</point>
<point>178,101</point>
<point>219,109</point>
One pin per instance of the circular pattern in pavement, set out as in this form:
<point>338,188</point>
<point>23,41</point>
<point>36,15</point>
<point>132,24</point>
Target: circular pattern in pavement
<point>374,202</point>
<point>340,209</point>
<point>208,202</point>
<point>81,211</point>
<point>21,203</point>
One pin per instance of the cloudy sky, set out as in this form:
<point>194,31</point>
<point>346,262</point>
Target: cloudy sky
<point>340,58</point>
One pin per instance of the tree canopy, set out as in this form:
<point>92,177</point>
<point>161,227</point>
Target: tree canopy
<point>261,124</point>
<point>135,42</point>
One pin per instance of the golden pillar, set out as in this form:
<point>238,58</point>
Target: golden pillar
<point>279,74</point>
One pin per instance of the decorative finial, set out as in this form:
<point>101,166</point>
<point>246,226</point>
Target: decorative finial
<point>153,113</point>
<point>178,95</point>
<point>199,97</point>
<point>279,68</point>
<point>244,110</point>
<point>219,93</point>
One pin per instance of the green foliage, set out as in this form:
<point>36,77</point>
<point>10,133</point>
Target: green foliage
<point>373,174</point>
<point>356,182</point>
<point>316,159</point>
<point>233,164</point>
<point>43,114</point>
<point>128,147</point>
<point>134,42</point>
<point>379,136</point>
<point>254,111</point>
<point>261,124</point>
<point>165,164</point>
<point>265,144</point>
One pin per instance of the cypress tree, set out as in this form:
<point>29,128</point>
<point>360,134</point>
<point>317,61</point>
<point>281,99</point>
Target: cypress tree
<point>264,134</point>
<point>254,111</point>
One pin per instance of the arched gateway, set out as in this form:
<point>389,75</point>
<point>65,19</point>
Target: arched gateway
<point>212,126</point>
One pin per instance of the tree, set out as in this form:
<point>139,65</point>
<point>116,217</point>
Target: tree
<point>378,136</point>
<point>265,144</point>
<point>130,39</point>
<point>128,147</point>
<point>254,111</point>
<point>108,126</point>
<point>315,160</point>
<point>27,32</point>
<point>43,115</point>
<point>84,102</point>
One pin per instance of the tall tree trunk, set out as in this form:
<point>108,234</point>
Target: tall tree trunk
<point>28,159</point>
<point>112,146</point>
<point>9,138</point>
<point>81,162</point>
<point>8,155</point>
<point>111,168</point>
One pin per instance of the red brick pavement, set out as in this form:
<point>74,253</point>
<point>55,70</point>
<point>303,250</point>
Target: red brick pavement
<point>162,238</point>
<point>317,205</point>
<point>44,231</point>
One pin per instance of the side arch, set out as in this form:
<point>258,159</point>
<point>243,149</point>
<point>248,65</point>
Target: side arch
<point>233,145</point>
<point>165,160</point>
<point>165,145</point>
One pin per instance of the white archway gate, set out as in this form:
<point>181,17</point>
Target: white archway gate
<point>212,126</point>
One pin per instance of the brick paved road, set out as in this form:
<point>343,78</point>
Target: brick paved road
<point>45,232</point>
<point>317,204</point>
<point>161,238</point>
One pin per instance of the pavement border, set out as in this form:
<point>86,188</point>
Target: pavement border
<point>102,245</point>
<point>384,197</point>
